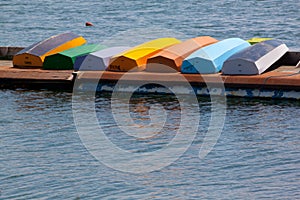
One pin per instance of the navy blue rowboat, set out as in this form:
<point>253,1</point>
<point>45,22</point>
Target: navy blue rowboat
<point>255,59</point>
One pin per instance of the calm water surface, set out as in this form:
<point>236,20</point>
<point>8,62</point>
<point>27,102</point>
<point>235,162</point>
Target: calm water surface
<point>257,155</point>
<point>42,157</point>
<point>24,22</point>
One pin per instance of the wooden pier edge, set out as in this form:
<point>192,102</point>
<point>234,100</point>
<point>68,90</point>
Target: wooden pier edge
<point>283,79</point>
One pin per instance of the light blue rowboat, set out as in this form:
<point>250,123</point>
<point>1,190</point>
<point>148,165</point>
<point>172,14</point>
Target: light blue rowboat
<point>255,59</point>
<point>99,60</point>
<point>210,59</point>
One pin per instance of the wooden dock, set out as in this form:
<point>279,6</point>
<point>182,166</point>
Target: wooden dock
<point>12,78</point>
<point>282,82</point>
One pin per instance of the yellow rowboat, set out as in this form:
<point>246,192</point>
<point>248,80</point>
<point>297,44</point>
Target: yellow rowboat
<point>34,55</point>
<point>257,40</point>
<point>135,58</point>
<point>170,59</point>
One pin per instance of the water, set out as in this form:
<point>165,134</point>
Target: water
<point>24,22</point>
<point>42,156</point>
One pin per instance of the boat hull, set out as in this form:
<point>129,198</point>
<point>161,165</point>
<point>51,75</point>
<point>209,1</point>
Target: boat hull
<point>210,59</point>
<point>282,82</point>
<point>253,41</point>
<point>99,60</point>
<point>255,59</point>
<point>170,59</point>
<point>33,56</point>
<point>136,58</point>
<point>65,60</point>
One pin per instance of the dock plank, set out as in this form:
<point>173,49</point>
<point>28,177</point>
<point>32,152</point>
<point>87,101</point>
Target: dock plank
<point>11,77</point>
<point>287,77</point>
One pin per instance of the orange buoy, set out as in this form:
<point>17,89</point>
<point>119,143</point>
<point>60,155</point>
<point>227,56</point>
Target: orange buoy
<point>88,24</point>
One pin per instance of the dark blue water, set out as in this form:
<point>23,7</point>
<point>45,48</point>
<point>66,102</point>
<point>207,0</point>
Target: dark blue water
<point>24,22</point>
<point>42,156</point>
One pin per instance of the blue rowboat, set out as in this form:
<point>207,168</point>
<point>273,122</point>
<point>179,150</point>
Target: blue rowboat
<point>209,59</point>
<point>170,59</point>
<point>78,61</point>
<point>255,59</point>
<point>99,60</point>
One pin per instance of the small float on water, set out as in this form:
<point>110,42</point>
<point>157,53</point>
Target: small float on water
<point>89,24</point>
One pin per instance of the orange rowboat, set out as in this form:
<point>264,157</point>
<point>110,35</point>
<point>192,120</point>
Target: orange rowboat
<point>174,55</point>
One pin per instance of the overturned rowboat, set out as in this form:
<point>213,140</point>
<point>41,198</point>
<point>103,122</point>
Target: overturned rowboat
<point>34,55</point>
<point>97,61</point>
<point>65,60</point>
<point>136,57</point>
<point>172,57</point>
<point>210,59</point>
<point>256,40</point>
<point>255,59</point>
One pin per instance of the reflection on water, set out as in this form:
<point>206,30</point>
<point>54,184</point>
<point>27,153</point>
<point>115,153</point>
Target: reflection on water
<point>41,155</point>
<point>257,155</point>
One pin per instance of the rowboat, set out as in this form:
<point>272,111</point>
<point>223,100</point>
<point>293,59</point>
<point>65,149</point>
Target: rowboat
<point>65,60</point>
<point>7,52</point>
<point>136,57</point>
<point>210,59</point>
<point>174,55</point>
<point>98,60</point>
<point>78,61</point>
<point>34,55</point>
<point>257,40</point>
<point>255,59</point>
